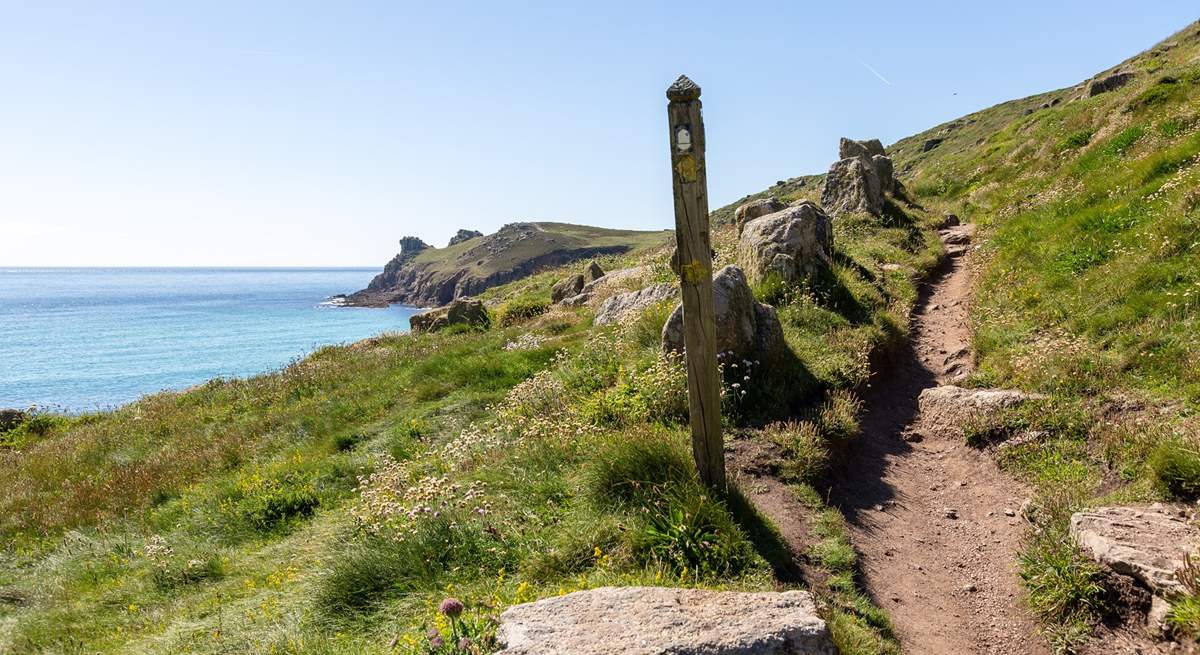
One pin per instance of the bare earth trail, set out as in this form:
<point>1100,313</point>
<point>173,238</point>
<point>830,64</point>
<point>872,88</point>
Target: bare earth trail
<point>929,515</point>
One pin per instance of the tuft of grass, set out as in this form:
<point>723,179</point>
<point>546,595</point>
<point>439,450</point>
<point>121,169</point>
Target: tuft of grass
<point>1063,586</point>
<point>1076,140</point>
<point>519,310</point>
<point>1175,466</point>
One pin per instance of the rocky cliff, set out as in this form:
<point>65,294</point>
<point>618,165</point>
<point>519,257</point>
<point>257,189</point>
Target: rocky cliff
<point>425,276</point>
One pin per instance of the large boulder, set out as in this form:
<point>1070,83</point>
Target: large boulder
<point>593,272</point>
<point>658,621</point>
<point>852,185</point>
<point>459,312</point>
<point>11,418</point>
<point>848,148</point>
<point>754,209</point>
<point>566,287</point>
<point>744,326</point>
<point>793,243</point>
<point>625,306</point>
<point>1143,542</point>
<point>1109,83</point>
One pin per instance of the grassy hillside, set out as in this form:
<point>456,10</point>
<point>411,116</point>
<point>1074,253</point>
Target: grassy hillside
<point>482,256</point>
<point>1088,289</point>
<point>330,506</point>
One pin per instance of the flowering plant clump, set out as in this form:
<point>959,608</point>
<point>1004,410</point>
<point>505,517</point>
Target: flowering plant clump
<point>527,341</point>
<point>456,632</point>
<point>392,501</point>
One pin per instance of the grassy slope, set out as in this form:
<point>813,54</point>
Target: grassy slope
<point>548,238</point>
<point>1089,291</point>
<point>269,514</point>
<point>327,507</point>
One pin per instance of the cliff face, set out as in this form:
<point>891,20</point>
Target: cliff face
<point>424,276</point>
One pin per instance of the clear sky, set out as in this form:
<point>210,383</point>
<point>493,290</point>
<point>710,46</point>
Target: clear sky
<point>319,133</point>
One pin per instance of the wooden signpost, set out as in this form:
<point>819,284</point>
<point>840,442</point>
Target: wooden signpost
<point>693,260</point>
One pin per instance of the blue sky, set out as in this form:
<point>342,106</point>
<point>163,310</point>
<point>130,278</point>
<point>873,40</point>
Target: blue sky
<point>264,133</point>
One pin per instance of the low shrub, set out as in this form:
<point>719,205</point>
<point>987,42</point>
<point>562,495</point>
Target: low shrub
<point>375,568</point>
<point>635,469</point>
<point>1076,140</point>
<point>1175,465</point>
<point>806,448</point>
<point>1063,586</point>
<point>519,310</point>
<point>693,533</point>
<point>647,328</point>
<point>272,501</point>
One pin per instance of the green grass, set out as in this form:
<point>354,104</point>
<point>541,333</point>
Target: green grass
<point>1088,291</point>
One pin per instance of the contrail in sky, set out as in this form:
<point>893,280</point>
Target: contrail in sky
<point>881,77</point>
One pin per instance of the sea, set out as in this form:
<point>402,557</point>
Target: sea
<point>84,339</point>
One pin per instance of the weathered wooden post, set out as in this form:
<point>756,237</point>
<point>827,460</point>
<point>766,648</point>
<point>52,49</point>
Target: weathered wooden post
<point>693,260</point>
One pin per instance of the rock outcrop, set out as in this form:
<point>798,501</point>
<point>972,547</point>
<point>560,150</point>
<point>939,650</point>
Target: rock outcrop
<point>604,287</point>
<point>657,621</point>
<point>459,312</point>
<point>793,243</point>
<point>626,306</point>
<point>857,181</point>
<point>11,418</point>
<point>852,185</point>
<point>745,327</point>
<point>464,235</point>
<point>848,148</point>
<point>947,407</point>
<point>566,287</point>
<point>592,273</point>
<point>1109,83</point>
<point>1146,543</point>
<point>754,209</point>
<point>430,277</point>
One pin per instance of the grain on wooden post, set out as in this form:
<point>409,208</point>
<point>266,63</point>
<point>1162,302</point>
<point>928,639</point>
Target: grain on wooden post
<point>693,263</point>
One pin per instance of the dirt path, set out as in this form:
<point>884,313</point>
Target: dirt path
<point>934,520</point>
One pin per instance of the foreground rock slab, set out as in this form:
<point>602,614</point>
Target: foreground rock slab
<point>1146,543</point>
<point>658,621</point>
<point>948,407</point>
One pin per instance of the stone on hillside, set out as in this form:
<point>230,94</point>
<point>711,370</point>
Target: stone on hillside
<point>792,243</point>
<point>947,407</point>
<point>459,312</point>
<point>852,185</point>
<point>1109,83</point>
<point>930,144</point>
<point>866,149</point>
<point>464,235</point>
<point>566,287</point>
<point>754,209</point>
<point>885,170</point>
<point>744,326</point>
<point>593,272</point>
<point>658,620</point>
<point>11,418</point>
<point>625,306</point>
<point>1144,542</point>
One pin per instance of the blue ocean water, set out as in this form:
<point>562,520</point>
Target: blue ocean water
<point>79,339</point>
